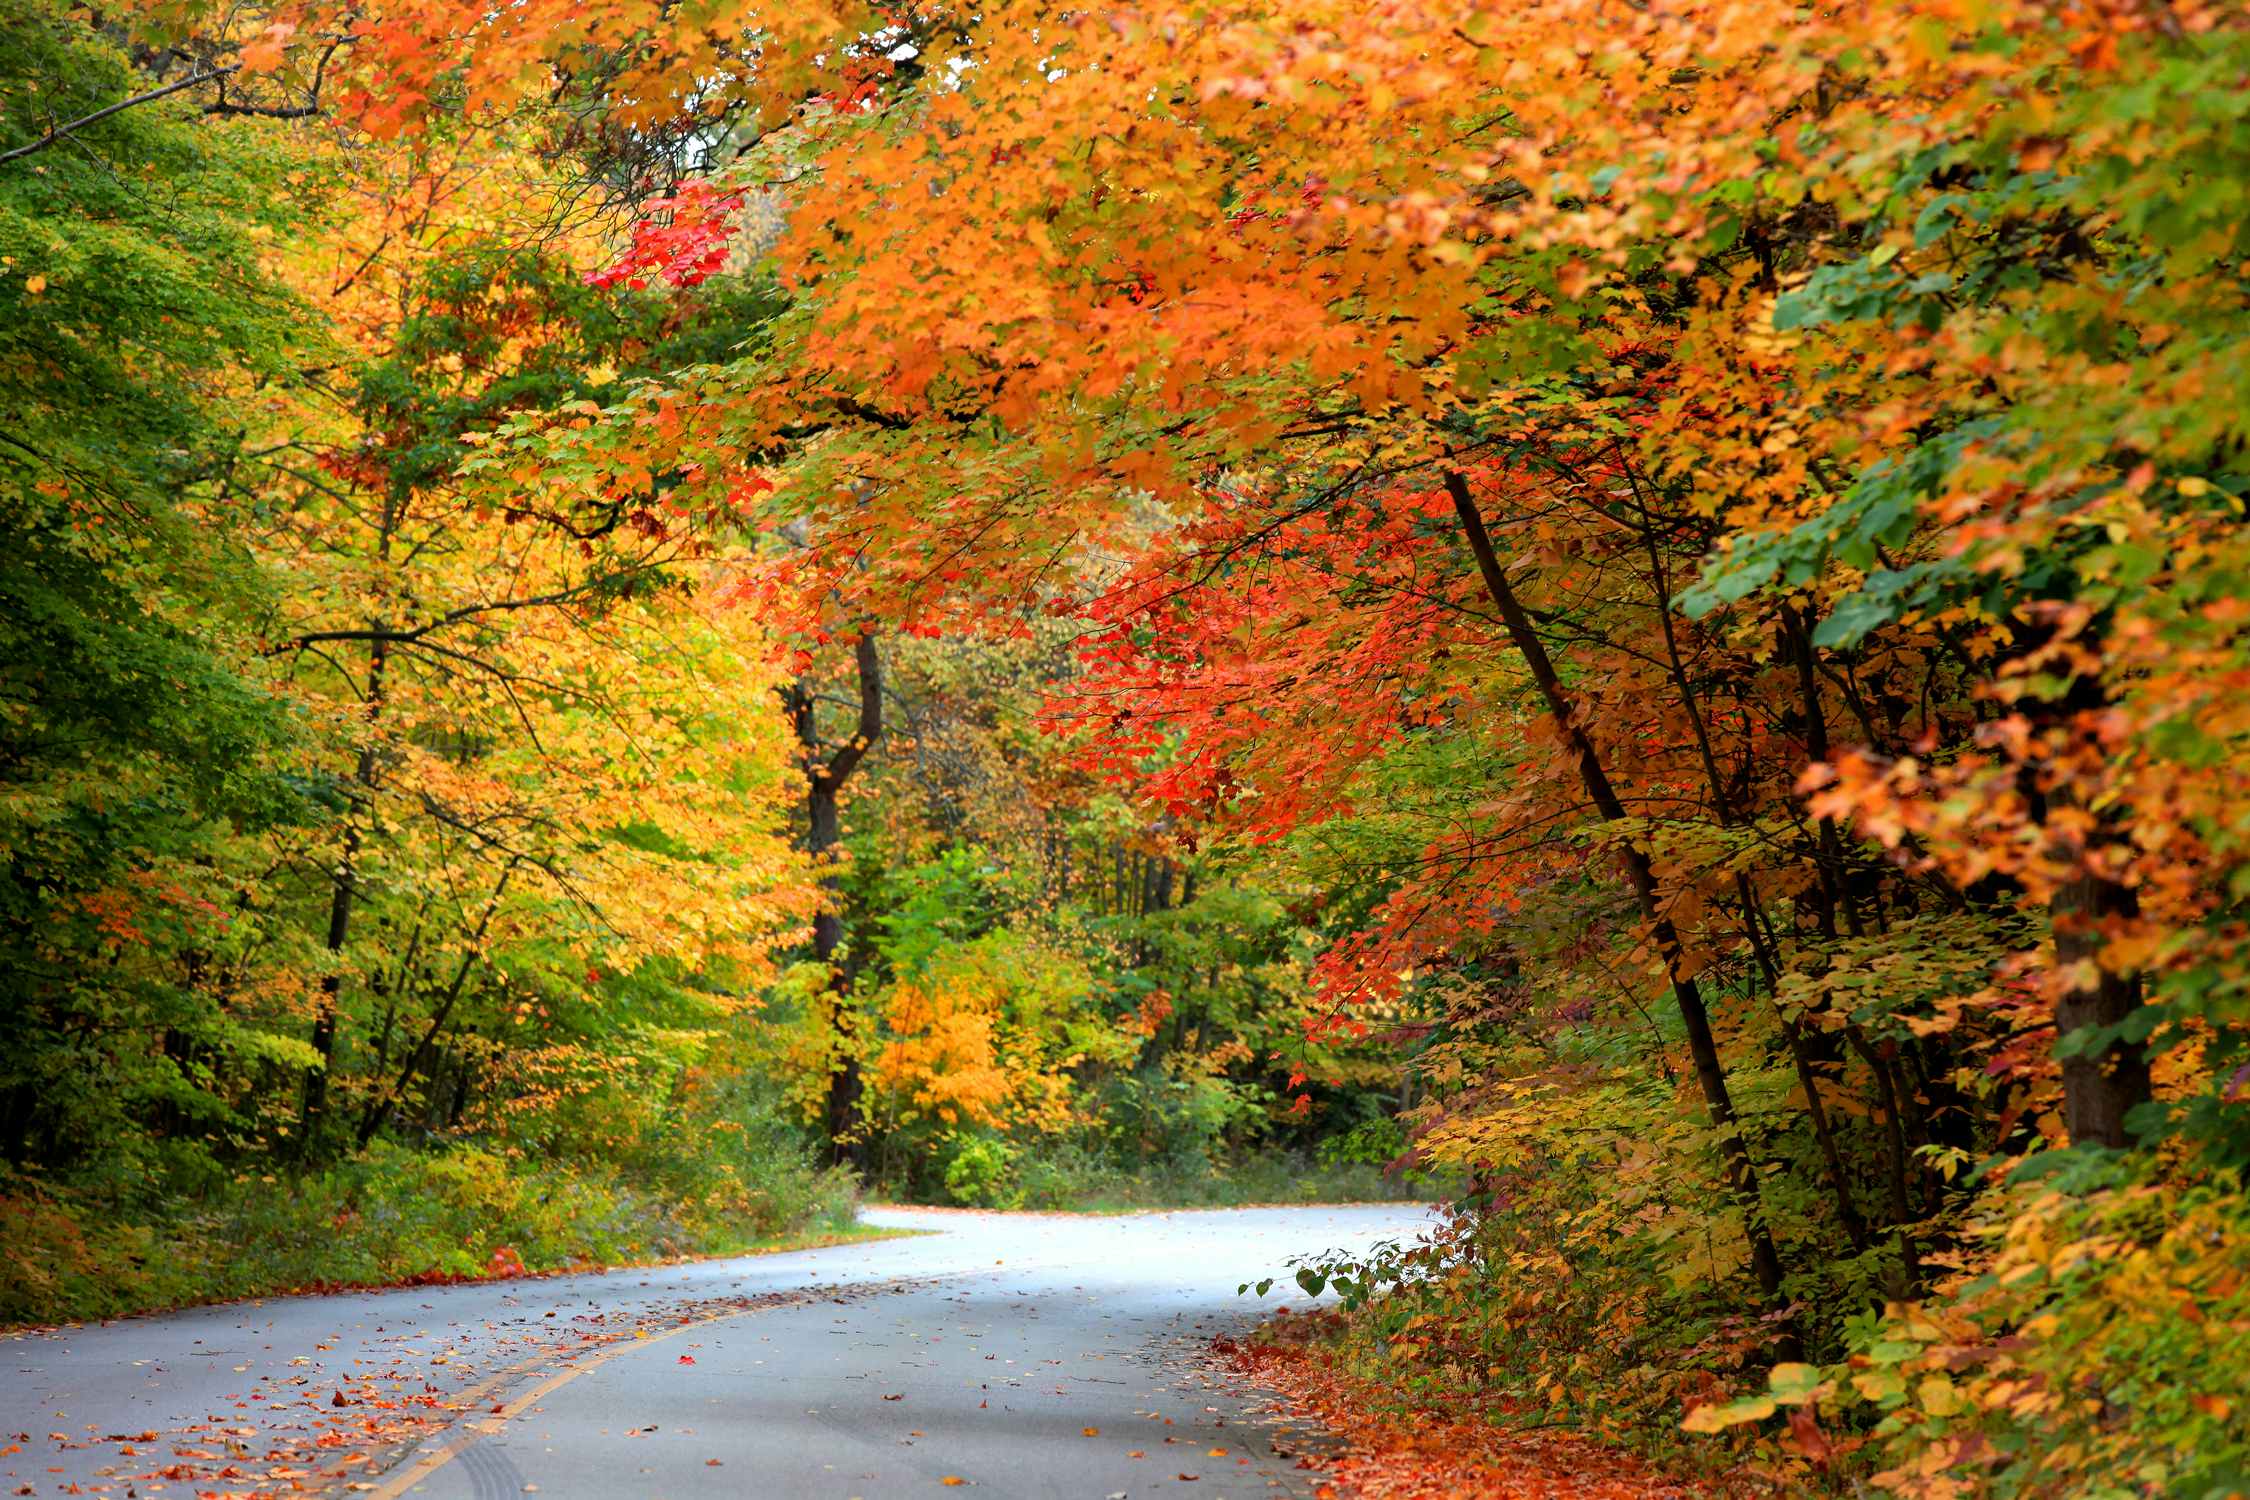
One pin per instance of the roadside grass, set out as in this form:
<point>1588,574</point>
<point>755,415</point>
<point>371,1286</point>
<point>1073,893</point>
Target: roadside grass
<point>389,1217</point>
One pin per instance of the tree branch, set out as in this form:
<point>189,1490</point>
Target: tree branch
<point>59,132</point>
<point>311,106</point>
<point>849,754</point>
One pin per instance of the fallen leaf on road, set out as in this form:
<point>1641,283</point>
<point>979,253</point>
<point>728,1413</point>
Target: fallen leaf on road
<point>953,1479</point>
<point>1091,1431</point>
<point>687,1359</point>
<point>901,1396</point>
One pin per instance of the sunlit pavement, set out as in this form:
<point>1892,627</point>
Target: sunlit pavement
<point>978,1356</point>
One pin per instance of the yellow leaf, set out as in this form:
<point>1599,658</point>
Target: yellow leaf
<point>1939,1396</point>
<point>1795,1384</point>
<point>1878,1385</point>
<point>1719,1417</point>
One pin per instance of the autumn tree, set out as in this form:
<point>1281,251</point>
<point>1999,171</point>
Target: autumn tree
<point>1712,528</point>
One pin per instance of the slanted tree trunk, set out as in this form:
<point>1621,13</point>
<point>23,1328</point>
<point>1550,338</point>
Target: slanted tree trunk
<point>379,1110</point>
<point>1722,808</point>
<point>1703,1047</point>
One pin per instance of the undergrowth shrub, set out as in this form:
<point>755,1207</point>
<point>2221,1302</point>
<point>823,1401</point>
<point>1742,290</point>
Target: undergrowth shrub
<point>2091,1342</point>
<point>389,1215</point>
<point>981,1173</point>
<point>2094,1343</point>
<point>1078,1179</point>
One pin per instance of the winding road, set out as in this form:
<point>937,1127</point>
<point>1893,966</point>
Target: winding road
<point>1027,1355</point>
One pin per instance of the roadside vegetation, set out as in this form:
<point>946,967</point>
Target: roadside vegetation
<point>620,622</point>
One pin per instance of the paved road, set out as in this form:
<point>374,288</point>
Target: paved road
<point>976,1357</point>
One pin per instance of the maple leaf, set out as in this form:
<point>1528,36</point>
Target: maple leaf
<point>268,50</point>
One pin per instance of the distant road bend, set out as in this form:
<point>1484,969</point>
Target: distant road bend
<point>1012,1355</point>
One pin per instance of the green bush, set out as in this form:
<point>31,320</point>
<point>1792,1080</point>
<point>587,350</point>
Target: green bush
<point>982,1173</point>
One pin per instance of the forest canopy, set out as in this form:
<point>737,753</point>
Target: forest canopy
<point>618,621</point>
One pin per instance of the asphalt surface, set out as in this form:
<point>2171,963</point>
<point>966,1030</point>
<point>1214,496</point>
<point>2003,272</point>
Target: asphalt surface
<point>1007,1354</point>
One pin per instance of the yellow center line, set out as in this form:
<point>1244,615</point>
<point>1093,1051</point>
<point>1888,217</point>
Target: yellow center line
<point>416,1470</point>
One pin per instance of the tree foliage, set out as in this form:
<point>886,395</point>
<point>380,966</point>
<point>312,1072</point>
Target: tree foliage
<point>1677,565</point>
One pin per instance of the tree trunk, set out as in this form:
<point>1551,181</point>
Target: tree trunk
<point>379,1111</point>
<point>1722,808</point>
<point>312,1114</point>
<point>2101,1085</point>
<point>1808,1077</point>
<point>824,780</point>
<point>1741,1175</point>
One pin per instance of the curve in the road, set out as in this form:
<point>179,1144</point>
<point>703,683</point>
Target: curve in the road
<point>1013,1354</point>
